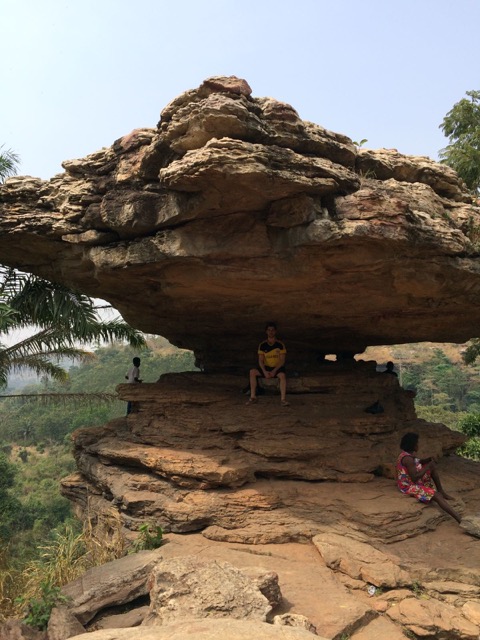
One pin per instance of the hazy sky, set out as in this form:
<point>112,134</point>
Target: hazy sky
<point>78,74</point>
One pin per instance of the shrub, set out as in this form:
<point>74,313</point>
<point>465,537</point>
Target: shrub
<point>38,610</point>
<point>470,425</point>
<point>150,537</point>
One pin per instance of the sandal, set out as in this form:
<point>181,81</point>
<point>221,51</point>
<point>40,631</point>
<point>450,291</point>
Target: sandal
<point>285,403</point>
<point>251,401</point>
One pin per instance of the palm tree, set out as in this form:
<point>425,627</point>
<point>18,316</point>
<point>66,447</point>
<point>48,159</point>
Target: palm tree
<point>9,162</point>
<point>60,319</point>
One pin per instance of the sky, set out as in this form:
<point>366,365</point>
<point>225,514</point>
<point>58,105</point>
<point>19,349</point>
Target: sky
<point>78,74</point>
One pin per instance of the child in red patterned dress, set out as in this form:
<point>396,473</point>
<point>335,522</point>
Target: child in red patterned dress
<point>419,478</point>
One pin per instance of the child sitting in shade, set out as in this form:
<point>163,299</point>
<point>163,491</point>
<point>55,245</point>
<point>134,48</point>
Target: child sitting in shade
<point>419,478</point>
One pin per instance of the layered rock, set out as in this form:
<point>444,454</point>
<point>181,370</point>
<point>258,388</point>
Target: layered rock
<point>234,211</point>
<point>193,457</point>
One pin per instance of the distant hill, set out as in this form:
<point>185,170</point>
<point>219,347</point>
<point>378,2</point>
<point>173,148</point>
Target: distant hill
<point>413,353</point>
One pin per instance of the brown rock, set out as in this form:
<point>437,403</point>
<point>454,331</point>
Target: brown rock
<point>360,561</point>
<point>267,584</point>
<point>471,610</point>
<point>16,630</point>
<point>187,587</point>
<point>379,629</point>
<point>212,629</point>
<point>294,620</point>
<point>309,589</point>
<point>117,582</point>
<point>192,434</point>
<point>231,193</point>
<point>132,618</point>
<point>63,624</point>
<point>430,617</point>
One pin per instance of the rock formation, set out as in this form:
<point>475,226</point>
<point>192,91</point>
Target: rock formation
<point>233,211</point>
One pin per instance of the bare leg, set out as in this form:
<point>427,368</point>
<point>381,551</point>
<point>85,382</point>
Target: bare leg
<point>254,373</point>
<point>443,504</point>
<point>283,386</point>
<point>438,484</point>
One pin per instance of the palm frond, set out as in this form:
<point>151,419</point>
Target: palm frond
<point>8,317</point>
<point>62,398</point>
<point>50,343</point>
<point>9,162</point>
<point>37,363</point>
<point>60,318</point>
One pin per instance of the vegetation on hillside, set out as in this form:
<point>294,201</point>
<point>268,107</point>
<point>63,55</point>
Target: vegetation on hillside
<point>447,390</point>
<point>39,539</point>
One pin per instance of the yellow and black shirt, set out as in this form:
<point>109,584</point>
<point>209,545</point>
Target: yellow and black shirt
<point>271,352</point>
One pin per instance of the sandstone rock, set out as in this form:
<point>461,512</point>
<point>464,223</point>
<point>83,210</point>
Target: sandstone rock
<point>231,193</point>
<point>379,629</point>
<point>294,620</point>
<point>456,592</point>
<point>116,582</point>
<point>267,584</point>
<point>471,610</point>
<point>430,617</point>
<point>309,589</point>
<point>63,624</point>
<point>198,459</point>
<point>361,561</point>
<point>212,629</point>
<point>16,630</point>
<point>183,588</point>
<point>133,618</point>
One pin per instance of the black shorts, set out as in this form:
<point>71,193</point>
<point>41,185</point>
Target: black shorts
<point>281,370</point>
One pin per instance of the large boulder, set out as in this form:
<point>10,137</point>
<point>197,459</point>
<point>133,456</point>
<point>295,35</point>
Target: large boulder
<point>234,211</point>
<point>211,629</point>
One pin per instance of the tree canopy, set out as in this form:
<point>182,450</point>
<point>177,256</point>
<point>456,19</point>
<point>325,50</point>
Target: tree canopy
<point>462,127</point>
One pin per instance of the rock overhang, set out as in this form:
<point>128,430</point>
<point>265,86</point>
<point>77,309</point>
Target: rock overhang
<point>234,211</point>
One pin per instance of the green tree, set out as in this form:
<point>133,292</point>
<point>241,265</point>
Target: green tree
<point>461,125</point>
<point>10,507</point>
<point>472,352</point>
<point>61,318</point>
<point>29,421</point>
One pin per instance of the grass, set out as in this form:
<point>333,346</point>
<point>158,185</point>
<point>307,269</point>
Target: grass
<point>65,558</point>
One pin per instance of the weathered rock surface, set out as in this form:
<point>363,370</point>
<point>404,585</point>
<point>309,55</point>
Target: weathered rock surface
<point>313,596</point>
<point>16,630</point>
<point>119,582</point>
<point>193,457</point>
<point>427,617</point>
<point>235,208</point>
<point>360,561</point>
<point>63,624</point>
<point>187,587</point>
<point>294,620</point>
<point>211,629</point>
